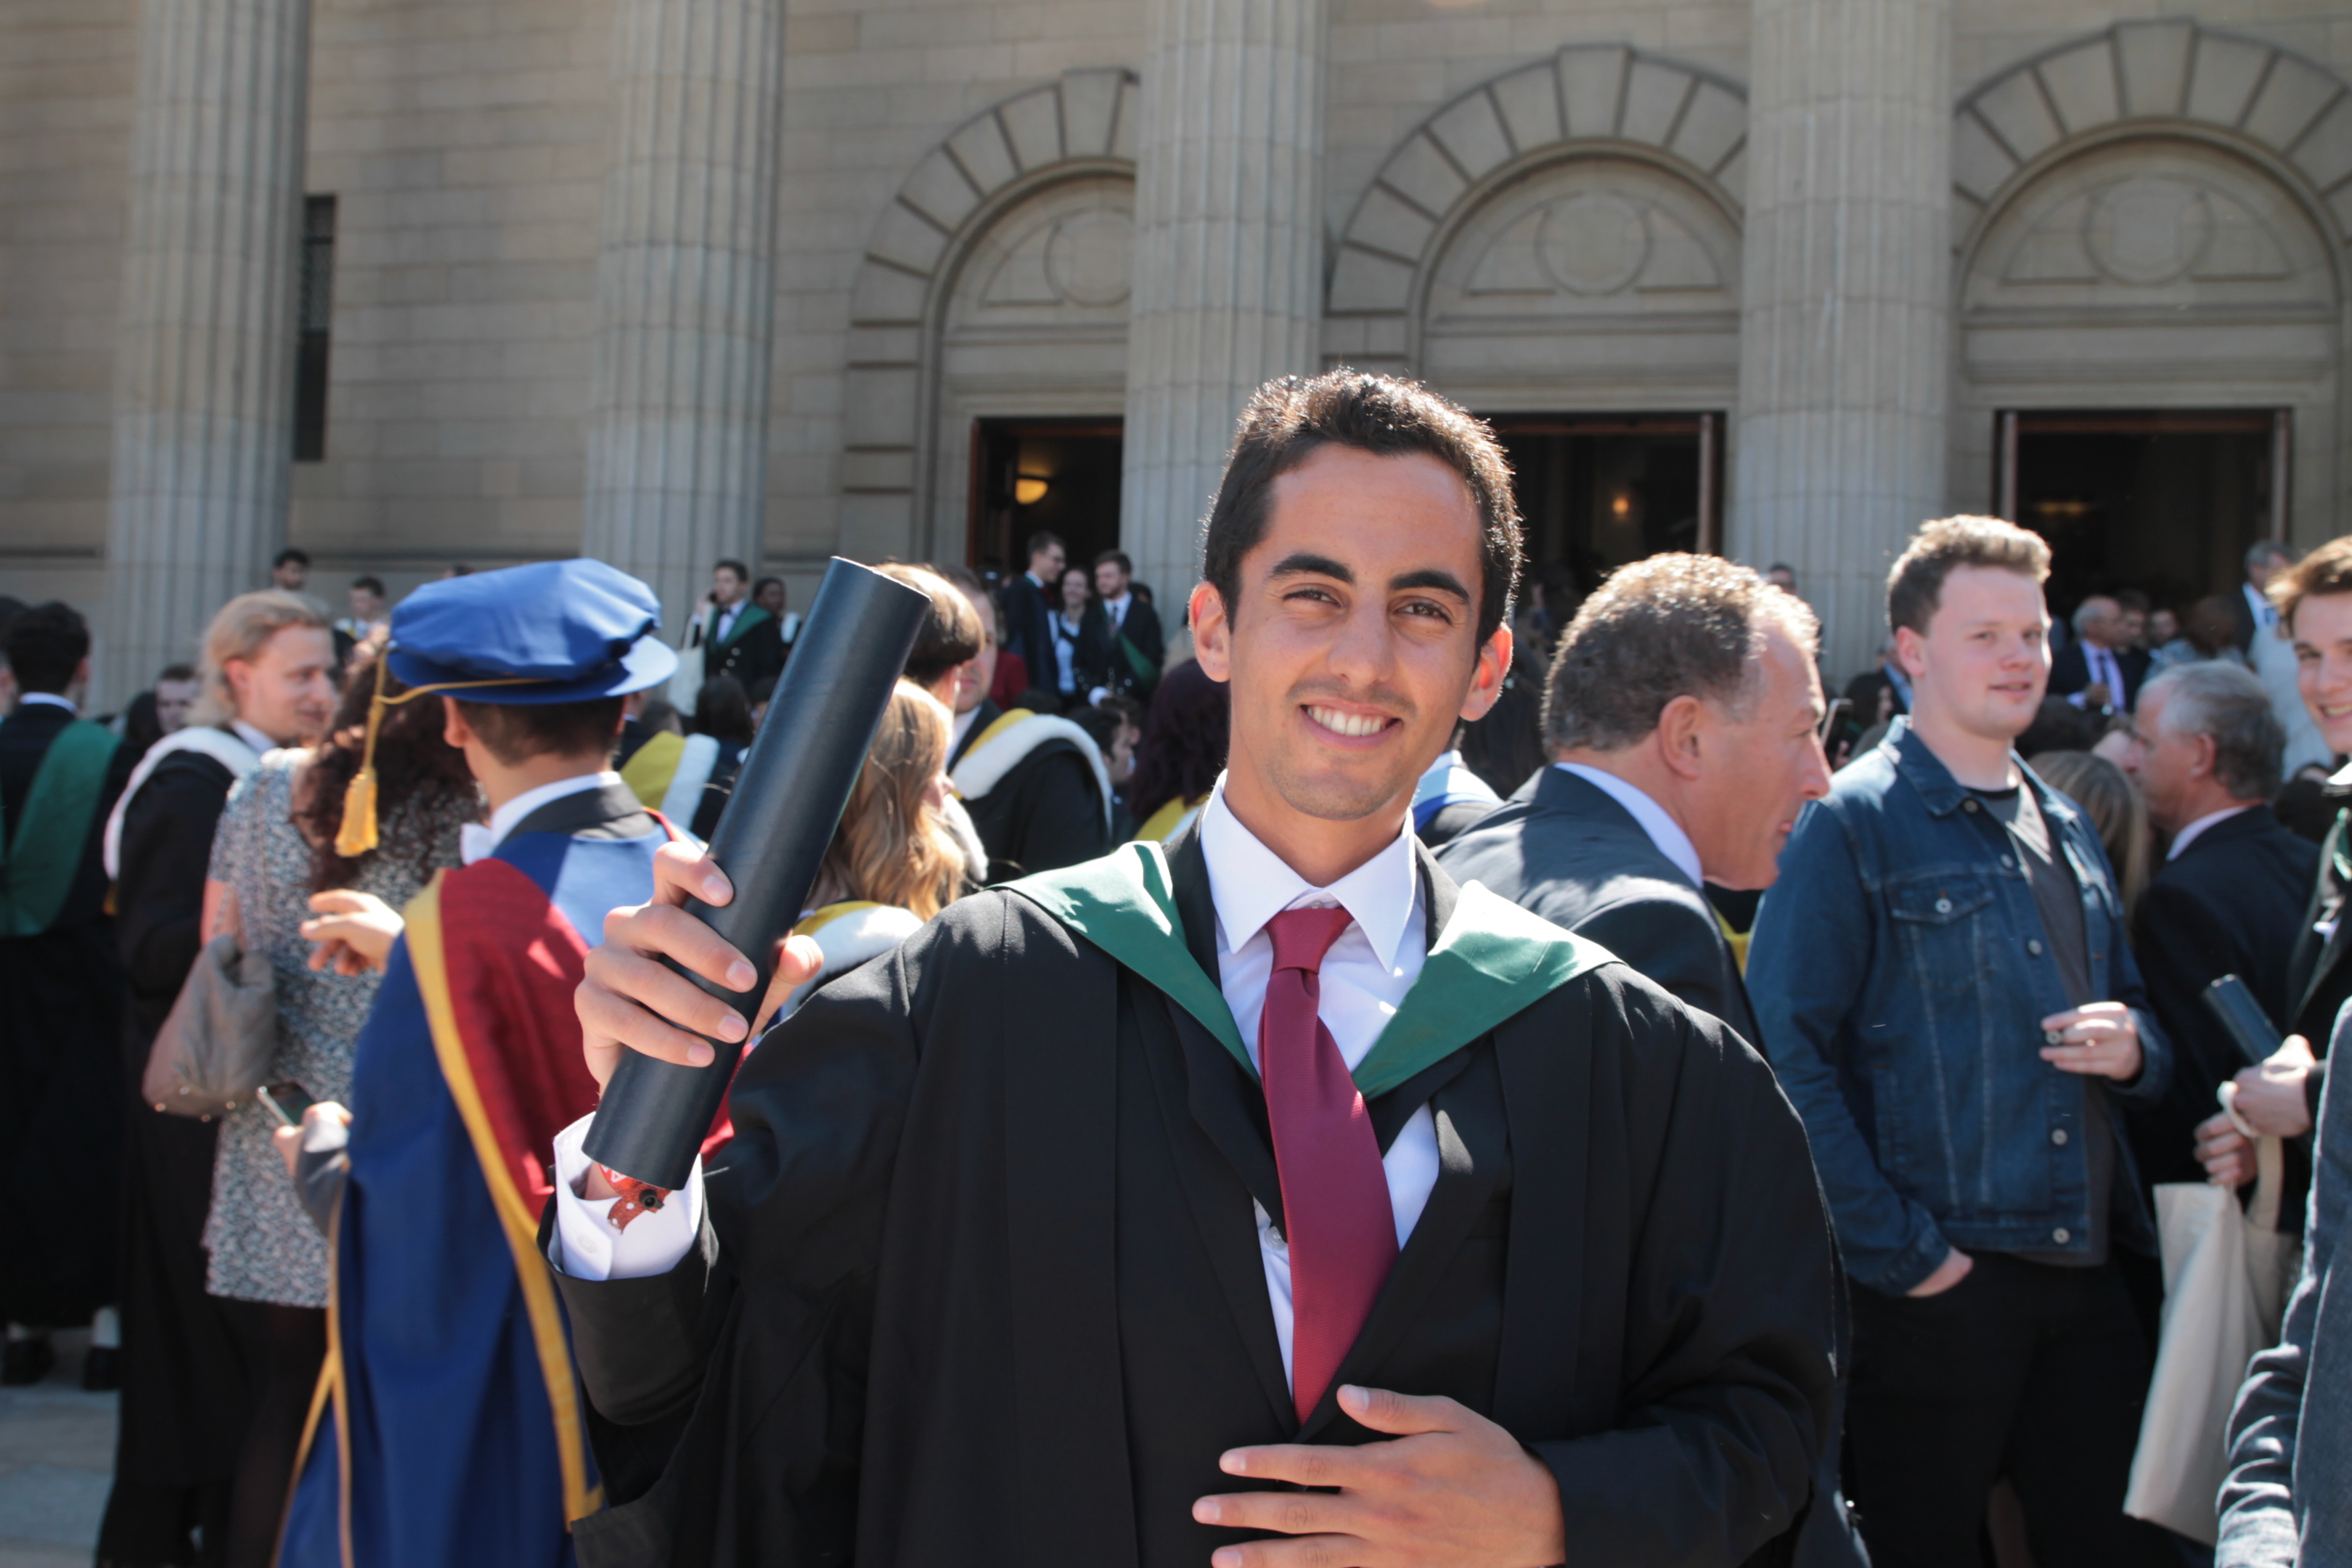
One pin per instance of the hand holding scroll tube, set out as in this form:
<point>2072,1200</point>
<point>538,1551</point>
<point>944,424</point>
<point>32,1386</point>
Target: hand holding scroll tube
<point>787,801</point>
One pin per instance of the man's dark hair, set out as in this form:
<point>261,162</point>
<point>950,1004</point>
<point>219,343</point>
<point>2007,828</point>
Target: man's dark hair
<point>299,558</point>
<point>953,633</point>
<point>516,731</point>
<point>760,586</point>
<point>175,672</point>
<point>1671,626</point>
<point>45,644</point>
<point>2325,571</point>
<point>373,585</point>
<point>1290,420</point>
<point>2132,599</point>
<point>1044,539</point>
<point>1118,558</point>
<point>722,710</point>
<point>1915,585</point>
<point>743,572</point>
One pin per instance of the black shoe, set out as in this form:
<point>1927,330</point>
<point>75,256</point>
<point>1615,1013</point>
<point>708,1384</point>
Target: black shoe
<point>26,1360</point>
<point>98,1372</point>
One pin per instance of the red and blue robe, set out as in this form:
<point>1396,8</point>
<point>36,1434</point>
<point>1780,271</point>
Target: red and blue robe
<point>449,1425</point>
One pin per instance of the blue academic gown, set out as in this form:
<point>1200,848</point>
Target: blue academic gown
<point>448,1378</point>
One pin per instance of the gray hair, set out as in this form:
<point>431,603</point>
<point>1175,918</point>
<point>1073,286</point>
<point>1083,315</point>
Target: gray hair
<point>2230,704</point>
<point>2084,615</point>
<point>1671,626</point>
<point>2263,550</point>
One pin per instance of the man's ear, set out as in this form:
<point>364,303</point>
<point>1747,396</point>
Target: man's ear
<point>454,728</point>
<point>1910,651</point>
<point>1486,677</point>
<point>1213,633</point>
<point>2208,754</point>
<point>1681,725</point>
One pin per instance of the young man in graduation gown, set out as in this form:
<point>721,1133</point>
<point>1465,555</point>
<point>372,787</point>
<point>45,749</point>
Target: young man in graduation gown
<point>268,681</point>
<point>1034,784</point>
<point>60,1087</point>
<point>1119,1200</point>
<point>448,1429</point>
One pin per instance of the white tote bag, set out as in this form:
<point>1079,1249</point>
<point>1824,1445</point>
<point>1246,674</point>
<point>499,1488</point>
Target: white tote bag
<point>2225,1279</point>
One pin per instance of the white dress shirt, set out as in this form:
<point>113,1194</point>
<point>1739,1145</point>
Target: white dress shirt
<point>2266,613</point>
<point>1364,976</point>
<point>478,841</point>
<point>1116,609</point>
<point>50,699</point>
<point>2187,835</point>
<point>2100,662</point>
<point>1663,830</point>
<point>262,745</point>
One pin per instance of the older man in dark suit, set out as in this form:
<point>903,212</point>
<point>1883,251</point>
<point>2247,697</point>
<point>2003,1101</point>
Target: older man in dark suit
<point>2229,897</point>
<point>1683,715</point>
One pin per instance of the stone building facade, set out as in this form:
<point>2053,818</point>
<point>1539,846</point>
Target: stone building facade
<point>408,283</point>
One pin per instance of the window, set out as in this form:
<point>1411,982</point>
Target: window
<point>317,309</point>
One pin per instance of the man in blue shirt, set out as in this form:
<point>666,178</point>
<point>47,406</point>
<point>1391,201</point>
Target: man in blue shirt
<point>1941,980</point>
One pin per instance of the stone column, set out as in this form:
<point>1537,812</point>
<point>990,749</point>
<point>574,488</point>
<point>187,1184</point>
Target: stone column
<point>1228,255</point>
<point>203,373</point>
<point>685,294</point>
<point>1846,322</point>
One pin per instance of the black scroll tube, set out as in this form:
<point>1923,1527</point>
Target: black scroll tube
<point>788,799</point>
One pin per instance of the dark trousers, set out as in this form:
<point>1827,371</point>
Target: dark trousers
<point>2021,1369</point>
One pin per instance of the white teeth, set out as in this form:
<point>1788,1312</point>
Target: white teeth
<point>1347,723</point>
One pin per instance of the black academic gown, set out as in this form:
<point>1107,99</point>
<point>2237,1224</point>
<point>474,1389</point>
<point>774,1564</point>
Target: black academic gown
<point>979,1281</point>
<point>187,1361</point>
<point>60,1084</point>
<point>1046,812</point>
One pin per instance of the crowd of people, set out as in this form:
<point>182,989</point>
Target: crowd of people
<point>1641,1109</point>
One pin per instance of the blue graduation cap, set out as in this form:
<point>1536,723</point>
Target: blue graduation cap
<point>557,631</point>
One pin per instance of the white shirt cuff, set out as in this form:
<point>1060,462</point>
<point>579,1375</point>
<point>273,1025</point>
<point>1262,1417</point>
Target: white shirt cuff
<point>587,1245</point>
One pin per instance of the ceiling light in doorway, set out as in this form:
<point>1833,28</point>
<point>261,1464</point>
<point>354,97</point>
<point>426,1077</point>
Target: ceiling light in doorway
<point>1028,490</point>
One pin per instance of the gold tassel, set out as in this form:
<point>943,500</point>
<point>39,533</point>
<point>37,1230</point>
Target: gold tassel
<point>357,834</point>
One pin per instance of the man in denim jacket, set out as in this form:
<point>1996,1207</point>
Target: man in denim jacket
<point>1941,979</point>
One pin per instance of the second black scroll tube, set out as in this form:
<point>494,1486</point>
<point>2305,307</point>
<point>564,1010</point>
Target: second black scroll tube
<point>796,782</point>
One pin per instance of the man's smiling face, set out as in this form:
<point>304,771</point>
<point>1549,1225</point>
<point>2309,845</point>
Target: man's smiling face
<point>2323,652</point>
<point>1352,644</point>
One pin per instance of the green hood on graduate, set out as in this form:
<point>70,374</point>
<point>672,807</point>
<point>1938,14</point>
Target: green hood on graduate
<point>1492,961</point>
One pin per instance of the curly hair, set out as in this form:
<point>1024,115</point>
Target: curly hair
<point>421,779</point>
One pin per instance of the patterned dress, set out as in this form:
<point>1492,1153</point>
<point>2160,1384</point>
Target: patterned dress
<point>264,1249</point>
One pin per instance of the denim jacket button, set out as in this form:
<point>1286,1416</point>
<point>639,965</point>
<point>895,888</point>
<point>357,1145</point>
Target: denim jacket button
<point>2061,1236</point>
<point>1968,806</point>
<point>1943,906</point>
<point>2058,1136</point>
<point>2055,1037</point>
<point>2033,946</point>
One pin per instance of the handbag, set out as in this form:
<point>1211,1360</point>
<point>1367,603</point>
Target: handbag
<point>221,1039</point>
<point>2225,1283</point>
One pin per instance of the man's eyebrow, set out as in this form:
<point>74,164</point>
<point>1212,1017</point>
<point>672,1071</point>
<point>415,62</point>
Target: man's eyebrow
<point>1300,563</point>
<point>1444,582</point>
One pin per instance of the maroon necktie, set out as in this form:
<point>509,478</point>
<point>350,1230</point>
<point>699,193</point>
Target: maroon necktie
<point>1335,1196</point>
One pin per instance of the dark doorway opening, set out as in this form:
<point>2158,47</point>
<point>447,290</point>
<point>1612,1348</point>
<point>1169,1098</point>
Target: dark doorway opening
<point>1029,475</point>
<point>2166,502</point>
<point>1598,491</point>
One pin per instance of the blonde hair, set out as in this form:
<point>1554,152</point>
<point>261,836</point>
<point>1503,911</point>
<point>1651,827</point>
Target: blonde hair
<point>239,631</point>
<point>893,847</point>
<point>2113,803</point>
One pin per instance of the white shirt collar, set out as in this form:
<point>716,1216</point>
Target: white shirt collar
<point>262,745</point>
<point>1116,609</point>
<point>1663,830</point>
<point>1251,884</point>
<point>49,699</point>
<point>962,727</point>
<point>2187,835</point>
<point>477,842</point>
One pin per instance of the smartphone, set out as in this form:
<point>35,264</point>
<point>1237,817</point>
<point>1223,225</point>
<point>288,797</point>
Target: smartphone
<point>2249,1029</point>
<point>287,1101</point>
<point>1833,720</point>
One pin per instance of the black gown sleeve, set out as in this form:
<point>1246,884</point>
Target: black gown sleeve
<point>727,1395</point>
<point>1673,946</point>
<point>166,848</point>
<point>1057,813</point>
<point>1727,1373</point>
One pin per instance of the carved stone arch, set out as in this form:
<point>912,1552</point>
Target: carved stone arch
<point>1593,102</point>
<point>1079,127</point>
<point>2287,113</point>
